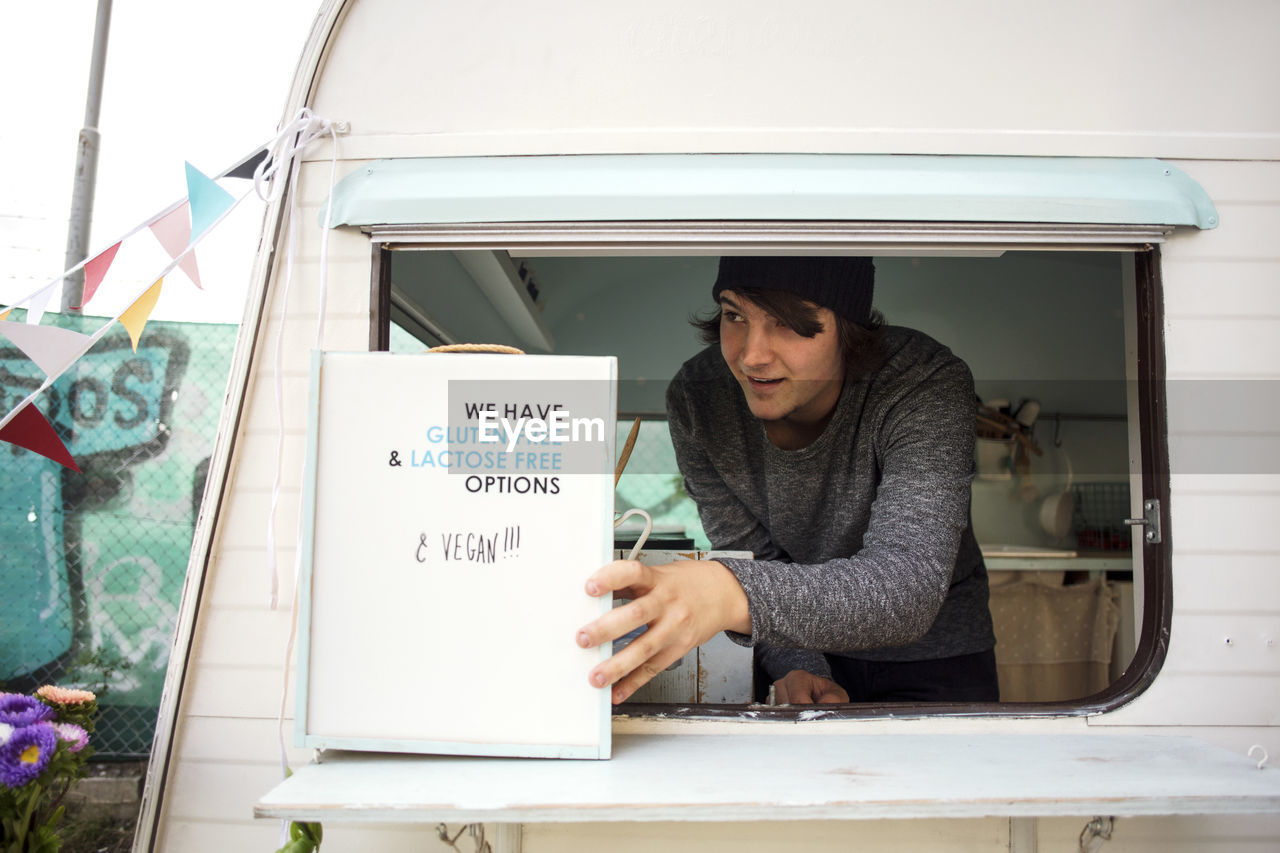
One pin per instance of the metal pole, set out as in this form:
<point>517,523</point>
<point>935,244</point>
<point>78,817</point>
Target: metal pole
<point>86,165</point>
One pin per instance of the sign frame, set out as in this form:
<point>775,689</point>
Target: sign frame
<point>591,492</point>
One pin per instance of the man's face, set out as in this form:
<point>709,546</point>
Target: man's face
<point>791,382</point>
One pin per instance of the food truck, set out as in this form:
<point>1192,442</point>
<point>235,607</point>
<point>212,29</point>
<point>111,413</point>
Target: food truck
<point>1080,201</point>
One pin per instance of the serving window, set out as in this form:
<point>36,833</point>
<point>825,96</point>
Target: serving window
<point>1060,327</point>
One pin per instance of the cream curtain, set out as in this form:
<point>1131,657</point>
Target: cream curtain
<point>1053,641</point>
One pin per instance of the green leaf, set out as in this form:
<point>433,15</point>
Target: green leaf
<point>312,833</point>
<point>298,845</point>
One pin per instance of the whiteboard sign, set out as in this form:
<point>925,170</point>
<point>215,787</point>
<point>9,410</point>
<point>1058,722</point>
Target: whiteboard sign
<point>455,505</point>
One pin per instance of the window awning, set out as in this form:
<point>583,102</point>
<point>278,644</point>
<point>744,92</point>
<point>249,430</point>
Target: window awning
<point>771,187</point>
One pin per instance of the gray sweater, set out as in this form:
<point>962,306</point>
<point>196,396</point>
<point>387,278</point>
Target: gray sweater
<point>862,540</point>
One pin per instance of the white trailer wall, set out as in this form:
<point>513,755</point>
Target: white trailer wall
<point>1195,83</point>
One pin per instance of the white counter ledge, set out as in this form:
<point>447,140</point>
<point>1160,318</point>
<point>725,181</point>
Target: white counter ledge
<point>790,777</point>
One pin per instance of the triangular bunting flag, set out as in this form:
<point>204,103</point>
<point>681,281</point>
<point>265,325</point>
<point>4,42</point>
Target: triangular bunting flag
<point>208,201</point>
<point>29,429</point>
<point>246,167</point>
<point>173,230</point>
<point>52,349</point>
<point>94,271</point>
<point>135,317</point>
<point>4,315</point>
<point>35,308</point>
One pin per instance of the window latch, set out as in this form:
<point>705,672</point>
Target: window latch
<point>1150,520</point>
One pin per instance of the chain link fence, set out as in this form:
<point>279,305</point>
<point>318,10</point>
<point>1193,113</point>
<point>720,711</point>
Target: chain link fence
<point>652,482</point>
<point>92,563</point>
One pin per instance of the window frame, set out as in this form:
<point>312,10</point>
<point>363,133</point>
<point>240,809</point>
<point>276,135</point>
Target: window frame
<point>531,239</point>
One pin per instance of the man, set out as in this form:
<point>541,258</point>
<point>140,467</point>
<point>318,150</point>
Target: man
<point>840,453</point>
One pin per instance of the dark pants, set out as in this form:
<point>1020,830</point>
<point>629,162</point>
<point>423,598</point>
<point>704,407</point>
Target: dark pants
<point>964,678</point>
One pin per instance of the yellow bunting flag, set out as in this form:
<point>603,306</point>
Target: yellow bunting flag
<point>135,317</point>
<point>5,315</point>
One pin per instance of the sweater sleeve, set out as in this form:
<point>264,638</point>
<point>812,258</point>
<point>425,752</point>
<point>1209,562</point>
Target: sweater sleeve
<point>730,526</point>
<point>728,523</point>
<point>890,591</point>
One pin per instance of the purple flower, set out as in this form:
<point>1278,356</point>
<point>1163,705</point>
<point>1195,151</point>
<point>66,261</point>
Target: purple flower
<point>27,752</point>
<point>74,736</point>
<point>18,710</point>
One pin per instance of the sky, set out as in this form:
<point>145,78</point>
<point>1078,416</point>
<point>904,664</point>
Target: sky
<point>184,81</point>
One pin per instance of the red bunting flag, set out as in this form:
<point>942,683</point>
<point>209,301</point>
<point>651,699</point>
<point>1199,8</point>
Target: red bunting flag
<point>173,230</point>
<point>30,430</point>
<point>94,271</point>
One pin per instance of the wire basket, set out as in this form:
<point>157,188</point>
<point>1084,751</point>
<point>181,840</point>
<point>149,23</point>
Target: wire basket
<point>1100,511</point>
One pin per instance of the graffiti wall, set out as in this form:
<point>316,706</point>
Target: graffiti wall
<point>92,563</point>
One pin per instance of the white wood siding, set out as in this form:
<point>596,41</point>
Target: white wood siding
<point>1194,81</point>
<point>1222,332</point>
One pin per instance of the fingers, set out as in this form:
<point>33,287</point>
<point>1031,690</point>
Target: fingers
<point>834,694</point>
<point>616,623</point>
<point>617,576</point>
<point>681,604</point>
<point>644,657</point>
<point>804,688</point>
<point>643,674</point>
<point>792,692</point>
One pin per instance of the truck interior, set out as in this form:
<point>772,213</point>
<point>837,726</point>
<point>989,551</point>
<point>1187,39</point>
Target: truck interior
<point>1059,339</point>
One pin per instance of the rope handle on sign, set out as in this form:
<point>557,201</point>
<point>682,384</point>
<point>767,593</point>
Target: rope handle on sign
<point>498,348</point>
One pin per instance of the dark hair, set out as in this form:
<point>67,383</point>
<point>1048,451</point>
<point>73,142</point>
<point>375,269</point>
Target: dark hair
<point>857,340</point>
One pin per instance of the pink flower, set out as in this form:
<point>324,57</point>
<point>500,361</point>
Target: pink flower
<point>65,696</point>
<point>74,736</point>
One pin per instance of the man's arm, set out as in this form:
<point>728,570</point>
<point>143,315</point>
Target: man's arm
<point>889,593</point>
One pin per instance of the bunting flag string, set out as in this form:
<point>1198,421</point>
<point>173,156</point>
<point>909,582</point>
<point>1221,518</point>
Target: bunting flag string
<point>40,296</point>
<point>178,228</point>
<point>144,312</point>
<point>244,169</point>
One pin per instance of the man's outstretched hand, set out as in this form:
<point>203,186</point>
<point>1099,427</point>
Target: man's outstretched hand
<point>683,604</point>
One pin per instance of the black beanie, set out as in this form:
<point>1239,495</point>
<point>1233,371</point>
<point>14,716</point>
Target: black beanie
<point>843,284</point>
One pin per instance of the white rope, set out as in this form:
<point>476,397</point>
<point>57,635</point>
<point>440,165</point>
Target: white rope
<point>287,148</point>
